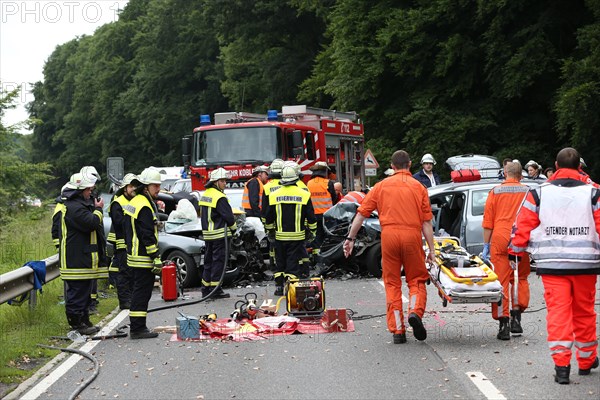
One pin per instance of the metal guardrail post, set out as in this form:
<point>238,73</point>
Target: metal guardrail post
<point>20,281</point>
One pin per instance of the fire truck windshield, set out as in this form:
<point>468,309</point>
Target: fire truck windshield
<point>232,145</point>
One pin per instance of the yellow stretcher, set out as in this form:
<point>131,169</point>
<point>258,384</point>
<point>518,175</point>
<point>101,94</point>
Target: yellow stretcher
<point>461,277</point>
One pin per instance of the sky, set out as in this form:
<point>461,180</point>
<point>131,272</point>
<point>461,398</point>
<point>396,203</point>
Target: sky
<point>30,30</point>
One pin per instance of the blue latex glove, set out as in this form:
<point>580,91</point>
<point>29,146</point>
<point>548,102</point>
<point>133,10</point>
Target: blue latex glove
<point>485,253</point>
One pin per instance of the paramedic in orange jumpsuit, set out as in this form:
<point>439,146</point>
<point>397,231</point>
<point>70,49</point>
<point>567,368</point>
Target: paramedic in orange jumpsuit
<point>501,209</point>
<point>558,225</point>
<point>405,214</point>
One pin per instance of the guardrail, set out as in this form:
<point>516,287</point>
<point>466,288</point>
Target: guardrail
<point>20,281</point>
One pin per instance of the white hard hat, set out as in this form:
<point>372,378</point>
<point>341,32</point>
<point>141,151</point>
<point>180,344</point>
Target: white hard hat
<point>319,165</point>
<point>276,166</point>
<point>150,176</point>
<point>289,174</point>
<point>292,164</point>
<point>219,173</point>
<point>260,168</point>
<point>127,180</point>
<point>86,181</point>
<point>428,158</point>
<point>389,172</point>
<point>90,170</point>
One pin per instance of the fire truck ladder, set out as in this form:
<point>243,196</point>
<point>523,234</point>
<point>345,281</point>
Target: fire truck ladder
<point>305,111</point>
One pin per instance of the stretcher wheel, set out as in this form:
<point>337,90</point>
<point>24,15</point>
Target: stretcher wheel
<point>445,302</point>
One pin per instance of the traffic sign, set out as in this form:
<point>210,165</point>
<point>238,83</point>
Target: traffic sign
<point>370,160</point>
<point>370,172</point>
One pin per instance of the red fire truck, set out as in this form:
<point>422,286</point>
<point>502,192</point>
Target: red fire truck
<point>239,141</point>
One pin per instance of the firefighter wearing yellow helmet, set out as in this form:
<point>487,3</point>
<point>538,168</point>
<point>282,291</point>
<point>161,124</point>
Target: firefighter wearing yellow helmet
<point>143,256</point>
<point>253,191</point>
<point>289,214</point>
<point>217,219</point>
<point>79,249</point>
<point>120,273</point>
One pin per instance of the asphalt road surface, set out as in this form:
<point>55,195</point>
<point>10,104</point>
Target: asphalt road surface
<point>461,358</point>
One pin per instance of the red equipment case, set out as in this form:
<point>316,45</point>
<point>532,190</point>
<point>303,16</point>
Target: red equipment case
<point>465,175</point>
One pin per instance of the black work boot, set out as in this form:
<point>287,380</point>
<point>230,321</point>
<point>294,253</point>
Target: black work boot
<point>587,371</point>
<point>504,332</point>
<point>76,323</point>
<point>562,374</point>
<point>515,321</point>
<point>418,329</point>
<point>85,320</point>
<point>399,338</point>
<point>220,294</point>
<point>143,334</point>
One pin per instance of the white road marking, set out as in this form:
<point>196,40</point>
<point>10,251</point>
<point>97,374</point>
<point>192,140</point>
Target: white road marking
<point>404,299</point>
<point>55,375</point>
<point>485,386</point>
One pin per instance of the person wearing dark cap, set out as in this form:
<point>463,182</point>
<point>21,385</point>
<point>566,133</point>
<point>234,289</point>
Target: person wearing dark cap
<point>254,190</point>
<point>323,196</point>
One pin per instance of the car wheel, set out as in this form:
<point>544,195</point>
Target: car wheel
<point>186,266</point>
<point>373,260</point>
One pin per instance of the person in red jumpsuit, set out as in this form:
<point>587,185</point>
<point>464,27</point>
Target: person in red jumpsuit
<point>402,228</point>
<point>558,225</point>
<point>501,208</point>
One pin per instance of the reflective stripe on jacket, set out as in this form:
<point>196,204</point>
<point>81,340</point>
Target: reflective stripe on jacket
<point>79,247</point>
<point>216,214</point>
<point>290,213</point>
<point>116,236</point>
<point>558,225</point>
<point>141,232</point>
<point>319,194</point>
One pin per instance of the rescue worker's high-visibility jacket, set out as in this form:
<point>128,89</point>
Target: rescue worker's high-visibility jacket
<point>558,225</point>
<point>59,209</point>
<point>322,194</point>
<point>252,197</point>
<point>116,236</point>
<point>269,188</point>
<point>216,214</point>
<point>79,249</point>
<point>353,197</point>
<point>141,232</point>
<point>290,213</point>
<point>501,208</point>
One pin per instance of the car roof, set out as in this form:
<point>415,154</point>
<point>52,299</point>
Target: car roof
<point>480,184</point>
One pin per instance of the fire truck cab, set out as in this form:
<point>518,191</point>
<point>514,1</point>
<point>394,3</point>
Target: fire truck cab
<point>239,141</point>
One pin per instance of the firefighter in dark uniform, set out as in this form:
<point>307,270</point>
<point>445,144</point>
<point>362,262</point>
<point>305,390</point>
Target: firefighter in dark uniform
<point>79,251</point>
<point>59,208</point>
<point>272,185</point>
<point>143,257</point>
<point>215,215</point>
<point>254,190</point>
<point>90,172</point>
<point>119,272</point>
<point>290,213</point>
<point>323,197</point>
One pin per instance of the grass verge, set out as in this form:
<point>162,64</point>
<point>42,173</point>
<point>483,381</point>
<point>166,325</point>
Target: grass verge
<point>27,238</point>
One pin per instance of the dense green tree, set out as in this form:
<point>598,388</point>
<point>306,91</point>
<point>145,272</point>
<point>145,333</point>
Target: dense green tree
<point>19,180</point>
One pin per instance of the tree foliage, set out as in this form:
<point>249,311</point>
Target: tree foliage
<point>517,78</point>
<point>19,180</point>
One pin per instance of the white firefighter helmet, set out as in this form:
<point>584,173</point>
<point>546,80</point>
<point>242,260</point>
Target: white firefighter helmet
<point>127,180</point>
<point>292,164</point>
<point>582,163</point>
<point>260,168</point>
<point>219,173</point>
<point>428,158</point>
<point>90,170</point>
<point>389,172</point>
<point>289,173</point>
<point>276,166</point>
<point>150,176</point>
<point>73,183</point>
<point>319,165</point>
<point>86,181</point>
